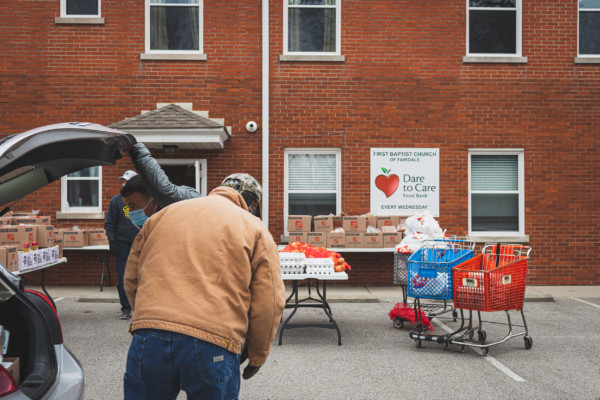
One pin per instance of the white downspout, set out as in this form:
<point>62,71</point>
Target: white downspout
<point>265,112</point>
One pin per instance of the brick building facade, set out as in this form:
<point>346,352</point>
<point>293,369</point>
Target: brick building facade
<point>398,74</point>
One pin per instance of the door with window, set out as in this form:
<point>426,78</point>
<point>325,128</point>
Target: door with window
<point>312,183</point>
<point>187,172</point>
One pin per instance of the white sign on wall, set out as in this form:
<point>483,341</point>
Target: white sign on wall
<point>405,181</point>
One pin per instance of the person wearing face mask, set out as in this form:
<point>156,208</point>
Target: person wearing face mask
<point>204,281</point>
<point>120,233</point>
<point>141,204</point>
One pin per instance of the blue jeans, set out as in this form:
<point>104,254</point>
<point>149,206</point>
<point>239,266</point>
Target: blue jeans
<point>121,261</point>
<point>161,363</point>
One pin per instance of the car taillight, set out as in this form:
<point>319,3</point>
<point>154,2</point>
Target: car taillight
<point>49,302</point>
<point>7,384</point>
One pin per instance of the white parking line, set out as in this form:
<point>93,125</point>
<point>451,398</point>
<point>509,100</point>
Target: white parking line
<point>59,299</point>
<point>583,301</point>
<point>488,358</point>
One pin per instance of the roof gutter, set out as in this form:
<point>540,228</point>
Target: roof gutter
<point>265,112</point>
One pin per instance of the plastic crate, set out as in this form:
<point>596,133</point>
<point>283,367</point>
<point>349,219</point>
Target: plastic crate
<point>430,270</point>
<point>400,268</point>
<point>481,285</point>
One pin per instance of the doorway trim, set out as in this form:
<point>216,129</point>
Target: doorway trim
<point>199,166</point>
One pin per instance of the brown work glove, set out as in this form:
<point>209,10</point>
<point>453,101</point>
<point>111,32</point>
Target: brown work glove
<point>249,371</point>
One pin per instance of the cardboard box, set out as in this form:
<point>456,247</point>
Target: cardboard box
<point>337,221</point>
<point>391,239</point>
<point>373,240</point>
<point>299,223</point>
<point>5,220</point>
<point>372,220</point>
<point>9,257</point>
<point>47,255</point>
<point>355,239</point>
<point>356,223</point>
<point>317,239</point>
<point>45,236</point>
<point>388,220</point>
<point>97,237</point>
<point>11,364</point>
<point>336,239</point>
<point>298,237</point>
<point>17,235</point>
<point>37,258</point>
<point>75,238</point>
<point>30,220</point>
<point>323,223</point>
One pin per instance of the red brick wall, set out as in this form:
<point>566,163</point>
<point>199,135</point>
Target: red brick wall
<point>403,84</point>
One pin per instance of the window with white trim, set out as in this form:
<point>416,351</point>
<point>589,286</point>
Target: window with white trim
<point>496,193</point>
<point>494,27</point>
<point>589,28</point>
<point>312,182</point>
<point>80,191</point>
<point>312,27</point>
<point>174,26</point>
<point>80,8</point>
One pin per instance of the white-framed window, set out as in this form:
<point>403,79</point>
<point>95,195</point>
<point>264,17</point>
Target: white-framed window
<point>589,28</point>
<point>80,191</point>
<point>189,172</point>
<point>174,26</point>
<point>494,27</point>
<point>496,192</point>
<point>312,27</point>
<point>80,8</point>
<point>312,182</point>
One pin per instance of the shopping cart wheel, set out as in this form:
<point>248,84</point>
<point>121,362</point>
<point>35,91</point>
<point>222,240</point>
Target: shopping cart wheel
<point>445,345</point>
<point>418,343</point>
<point>462,348</point>
<point>528,342</point>
<point>485,351</point>
<point>398,323</point>
<point>481,335</point>
<point>471,333</point>
<point>454,315</point>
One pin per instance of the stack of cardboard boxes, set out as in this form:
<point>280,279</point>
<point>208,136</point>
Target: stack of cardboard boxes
<point>42,243</point>
<point>323,231</point>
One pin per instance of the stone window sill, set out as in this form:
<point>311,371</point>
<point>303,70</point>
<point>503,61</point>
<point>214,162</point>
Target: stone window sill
<point>173,57</point>
<point>495,60</point>
<point>587,60</point>
<point>79,20</point>
<point>80,215</point>
<point>499,239</point>
<point>311,58</point>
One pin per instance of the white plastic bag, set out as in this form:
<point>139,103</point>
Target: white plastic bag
<point>424,223</point>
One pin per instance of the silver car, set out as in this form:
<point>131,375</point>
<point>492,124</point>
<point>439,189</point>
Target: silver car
<point>29,161</point>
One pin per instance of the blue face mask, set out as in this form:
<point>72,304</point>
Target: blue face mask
<point>138,217</point>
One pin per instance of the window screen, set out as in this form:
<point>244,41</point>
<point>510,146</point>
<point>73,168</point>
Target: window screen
<point>312,184</point>
<point>494,193</point>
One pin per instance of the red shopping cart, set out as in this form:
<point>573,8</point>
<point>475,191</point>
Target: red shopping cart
<point>492,281</point>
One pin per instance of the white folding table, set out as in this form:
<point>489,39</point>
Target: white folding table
<point>320,302</point>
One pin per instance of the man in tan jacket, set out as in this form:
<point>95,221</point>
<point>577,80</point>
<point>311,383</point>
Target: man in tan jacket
<point>204,281</point>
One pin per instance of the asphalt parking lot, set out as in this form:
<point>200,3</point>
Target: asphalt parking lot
<point>376,360</point>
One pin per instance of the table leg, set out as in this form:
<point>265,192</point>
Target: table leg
<point>322,299</point>
<point>327,310</point>
<point>295,293</point>
<point>102,275</point>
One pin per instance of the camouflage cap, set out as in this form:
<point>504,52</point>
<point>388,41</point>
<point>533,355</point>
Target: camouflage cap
<point>244,183</point>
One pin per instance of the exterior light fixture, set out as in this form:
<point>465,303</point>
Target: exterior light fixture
<point>170,148</point>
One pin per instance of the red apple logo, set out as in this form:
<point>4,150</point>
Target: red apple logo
<point>387,183</point>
